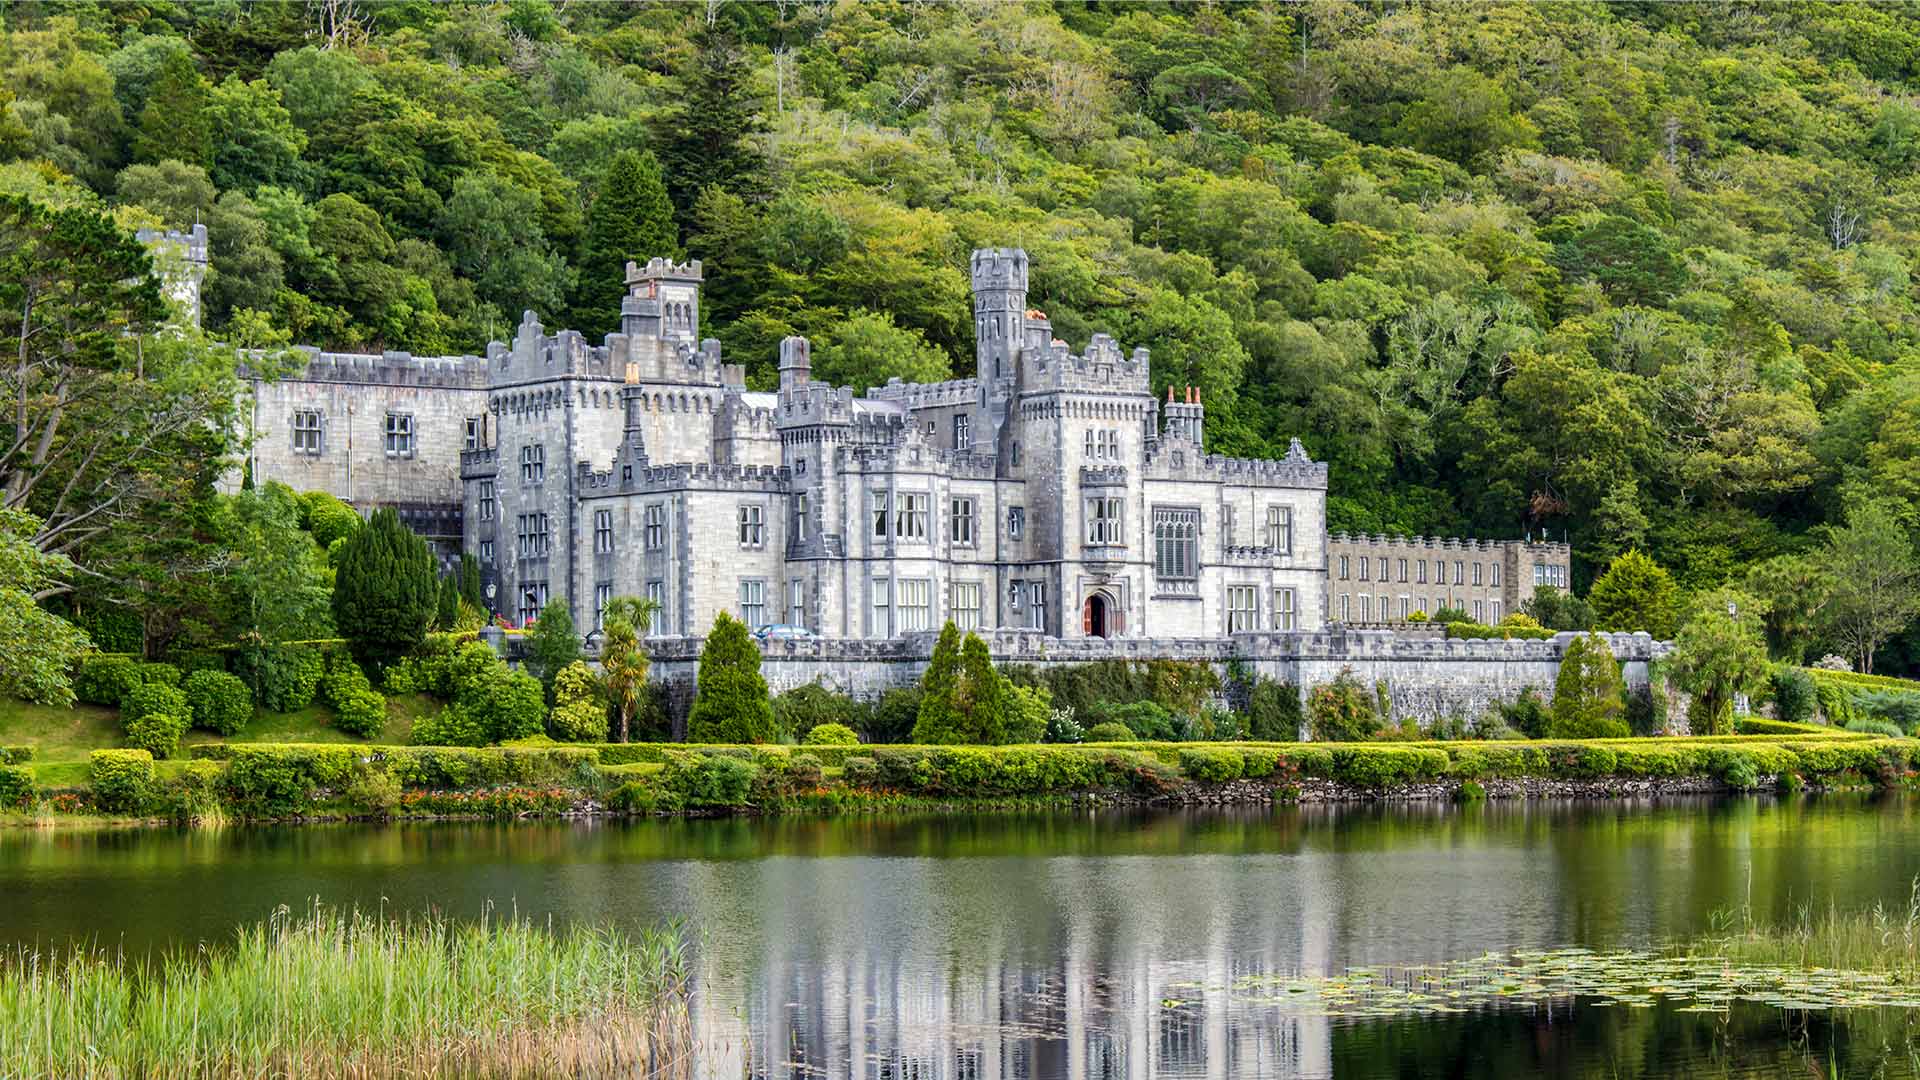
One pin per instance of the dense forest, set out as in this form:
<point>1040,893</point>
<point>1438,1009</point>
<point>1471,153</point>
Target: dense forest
<point>1636,275</point>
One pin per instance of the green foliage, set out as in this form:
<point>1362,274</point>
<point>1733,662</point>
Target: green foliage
<point>1588,700</point>
<point>1501,632</point>
<point>1716,657</point>
<point>106,678</point>
<point>552,644</point>
<point>963,699</point>
<point>121,779</point>
<point>37,647</point>
<point>154,697</point>
<point>219,702</point>
<point>1635,594</point>
<point>1212,766</point>
<point>1110,732</point>
<point>361,713</point>
<point>1873,725</point>
<point>831,734</point>
<point>1794,698</point>
<point>329,519</point>
<point>631,220</point>
<point>1527,714</point>
<point>1028,710</point>
<point>1342,710</point>
<point>16,787</point>
<point>384,592</point>
<point>799,711</point>
<point>157,733</point>
<point>1274,712</point>
<point>160,674</point>
<point>284,678</point>
<point>579,709</point>
<point>731,703</point>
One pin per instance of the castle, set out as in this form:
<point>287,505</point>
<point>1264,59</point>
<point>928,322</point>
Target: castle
<point>1051,501</point>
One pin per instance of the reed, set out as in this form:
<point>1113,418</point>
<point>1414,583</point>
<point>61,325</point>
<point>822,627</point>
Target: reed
<point>330,993</point>
<point>1883,938</point>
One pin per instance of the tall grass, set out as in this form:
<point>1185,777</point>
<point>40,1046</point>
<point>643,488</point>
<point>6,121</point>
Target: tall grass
<point>1881,938</point>
<point>327,993</point>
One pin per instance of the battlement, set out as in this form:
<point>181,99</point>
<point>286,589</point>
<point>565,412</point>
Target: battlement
<point>705,476</point>
<point>391,369</point>
<point>928,395</point>
<point>1469,545</point>
<point>659,269</point>
<point>477,464</point>
<point>1167,461</point>
<point>960,464</point>
<point>1102,366</point>
<point>191,245</point>
<point>1103,476</point>
<point>996,269</point>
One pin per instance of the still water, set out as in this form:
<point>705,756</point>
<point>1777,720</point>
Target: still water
<point>1082,945</point>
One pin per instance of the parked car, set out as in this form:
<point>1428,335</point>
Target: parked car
<point>782,632</point>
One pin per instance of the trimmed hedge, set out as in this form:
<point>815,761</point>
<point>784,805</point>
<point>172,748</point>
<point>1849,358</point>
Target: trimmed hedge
<point>105,678</point>
<point>16,787</point>
<point>157,733</point>
<point>284,779</point>
<point>831,734</point>
<point>121,779</point>
<point>220,702</point>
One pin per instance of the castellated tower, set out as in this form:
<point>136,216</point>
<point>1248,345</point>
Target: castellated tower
<point>999,314</point>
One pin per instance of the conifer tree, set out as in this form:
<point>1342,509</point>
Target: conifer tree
<point>708,140</point>
<point>1635,594</point>
<point>631,219</point>
<point>448,611</point>
<point>385,592</point>
<point>470,588</point>
<point>1588,696</point>
<point>731,704</point>
<point>964,700</point>
<point>553,644</point>
<point>936,722</point>
<point>174,125</point>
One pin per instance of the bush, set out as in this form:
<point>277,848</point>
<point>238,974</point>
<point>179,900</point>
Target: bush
<point>709,779</point>
<point>1213,766</point>
<point>220,702</point>
<point>798,711</point>
<point>1873,725</point>
<point>1527,714</point>
<point>157,733</point>
<point>192,794</point>
<point>363,714</point>
<point>284,678</point>
<point>892,718</point>
<point>154,698</point>
<point>121,780</point>
<point>804,771</point>
<point>373,792</point>
<point>342,680</point>
<point>1794,698</point>
<point>106,678</point>
<point>1503,631</point>
<point>860,772</point>
<point>1274,713</point>
<point>730,703</point>
<point>513,705</point>
<point>1342,711</point>
<point>16,787</point>
<point>385,591</point>
<point>160,674</point>
<point>831,735</point>
<point>1896,707</point>
<point>1028,711</point>
<point>1587,693</point>
<point>579,711</point>
<point>1385,766</point>
<point>15,755</point>
<point>1109,732</point>
<point>1144,720</point>
<point>451,726</point>
<point>328,518</point>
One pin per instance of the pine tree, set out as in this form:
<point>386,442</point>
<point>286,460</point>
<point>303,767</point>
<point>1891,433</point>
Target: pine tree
<point>1588,696</point>
<point>731,704</point>
<point>631,219</point>
<point>1635,594</point>
<point>174,126</point>
<point>708,140</point>
<point>448,611</point>
<point>936,722</point>
<point>964,699</point>
<point>385,593</point>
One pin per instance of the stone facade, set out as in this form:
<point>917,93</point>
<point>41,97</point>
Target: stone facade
<point>1386,579</point>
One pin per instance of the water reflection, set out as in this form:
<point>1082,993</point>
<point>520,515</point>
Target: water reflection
<point>1066,945</point>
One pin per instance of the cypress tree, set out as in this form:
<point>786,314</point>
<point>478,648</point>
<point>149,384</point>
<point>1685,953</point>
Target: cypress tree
<point>449,607</point>
<point>964,699</point>
<point>385,592</point>
<point>936,723</point>
<point>731,704</point>
<point>470,588</point>
<point>630,218</point>
<point>1636,593</point>
<point>1589,697</point>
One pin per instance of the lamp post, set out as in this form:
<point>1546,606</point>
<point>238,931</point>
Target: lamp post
<point>1741,707</point>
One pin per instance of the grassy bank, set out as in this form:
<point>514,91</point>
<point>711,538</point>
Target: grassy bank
<point>328,993</point>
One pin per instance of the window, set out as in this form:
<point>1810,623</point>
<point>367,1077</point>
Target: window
<point>602,596</point>
<point>960,524</point>
<point>399,434</point>
<point>1459,572</point>
<point>882,625</point>
<point>799,519</point>
<point>1496,575</point>
<point>916,604</point>
<point>1103,521</point>
<point>657,592</point>
<point>486,500</point>
<point>533,465</point>
<point>1480,611</point>
<point>654,526</point>
<point>1403,571</point>
<point>1284,615</point>
<point>1439,572</point>
<point>486,551</point>
<point>962,432</point>
<point>796,603</point>
<point>1176,544</point>
<point>1476,573</point>
<point>1493,610</point>
<point>964,604</point>
<point>1088,450</point>
<point>1015,452</point>
<point>1344,600</point>
<point>603,532</point>
<point>534,540</point>
<point>473,433</point>
<point>1280,529</point>
<point>1226,525</point>
<point>1242,613</point>
<point>1016,522</point>
<point>753,602</point>
<point>881,506</point>
<point>1420,571</point>
<point>1366,608</point>
<point>533,597</point>
<point>1366,568</point>
<point>1037,610</point>
<point>1384,576</point>
<point>752,525</point>
<point>1344,575</point>
<point>1556,576</point>
<point>911,522</point>
<point>306,431</point>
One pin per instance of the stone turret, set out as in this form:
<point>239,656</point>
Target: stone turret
<point>180,259</point>
<point>796,364</point>
<point>662,301</point>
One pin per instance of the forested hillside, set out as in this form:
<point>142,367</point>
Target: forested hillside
<point>1639,275</point>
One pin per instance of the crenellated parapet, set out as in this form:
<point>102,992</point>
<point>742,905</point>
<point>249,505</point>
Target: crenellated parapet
<point>958,464</point>
<point>1177,461</point>
<point>479,464</point>
<point>1448,544</point>
<point>1101,368</point>
<point>928,395</point>
<point>391,368</point>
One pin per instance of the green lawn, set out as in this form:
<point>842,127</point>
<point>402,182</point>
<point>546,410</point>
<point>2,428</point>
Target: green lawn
<point>62,738</point>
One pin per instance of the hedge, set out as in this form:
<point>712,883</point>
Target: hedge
<point>16,787</point>
<point>281,779</point>
<point>15,755</point>
<point>105,678</point>
<point>220,702</point>
<point>121,779</point>
<point>1509,633</point>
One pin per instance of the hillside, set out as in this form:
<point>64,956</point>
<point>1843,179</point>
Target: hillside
<point>1639,275</point>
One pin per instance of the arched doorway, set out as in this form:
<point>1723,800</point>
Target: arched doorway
<point>1097,620</point>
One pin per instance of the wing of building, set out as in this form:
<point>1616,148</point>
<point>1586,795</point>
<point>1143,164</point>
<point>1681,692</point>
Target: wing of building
<point>1051,491</point>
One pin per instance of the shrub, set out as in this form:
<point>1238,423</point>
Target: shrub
<point>328,518</point>
<point>552,644</point>
<point>1383,766</point>
<point>798,711</point>
<point>1794,698</point>
<point>284,678</point>
<point>192,794</point>
<point>1587,693</point>
<point>373,792</point>
<point>892,718</point>
<point>1144,719</point>
<point>860,772</point>
<point>1029,709</point>
<point>1467,629</point>
<point>157,733</point>
<point>1213,766</point>
<point>160,674</point>
<point>121,780</point>
<point>1873,725</point>
<point>385,591</point>
<point>1896,707</point>
<point>1274,713</point>
<point>1342,710</point>
<point>342,680</point>
<point>804,771</point>
<point>831,735</point>
<point>451,726</point>
<point>1527,714</point>
<point>363,714</point>
<point>220,702</point>
<point>15,755</point>
<point>16,787</point>
<point>730,704</point>
<point>106,678</point>
<point>579,712</point>
<point>1109,732</point>
<point>154,698</point>
<point>710,779</point>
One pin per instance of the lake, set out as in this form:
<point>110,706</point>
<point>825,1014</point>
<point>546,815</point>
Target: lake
<point>1108,944</point>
